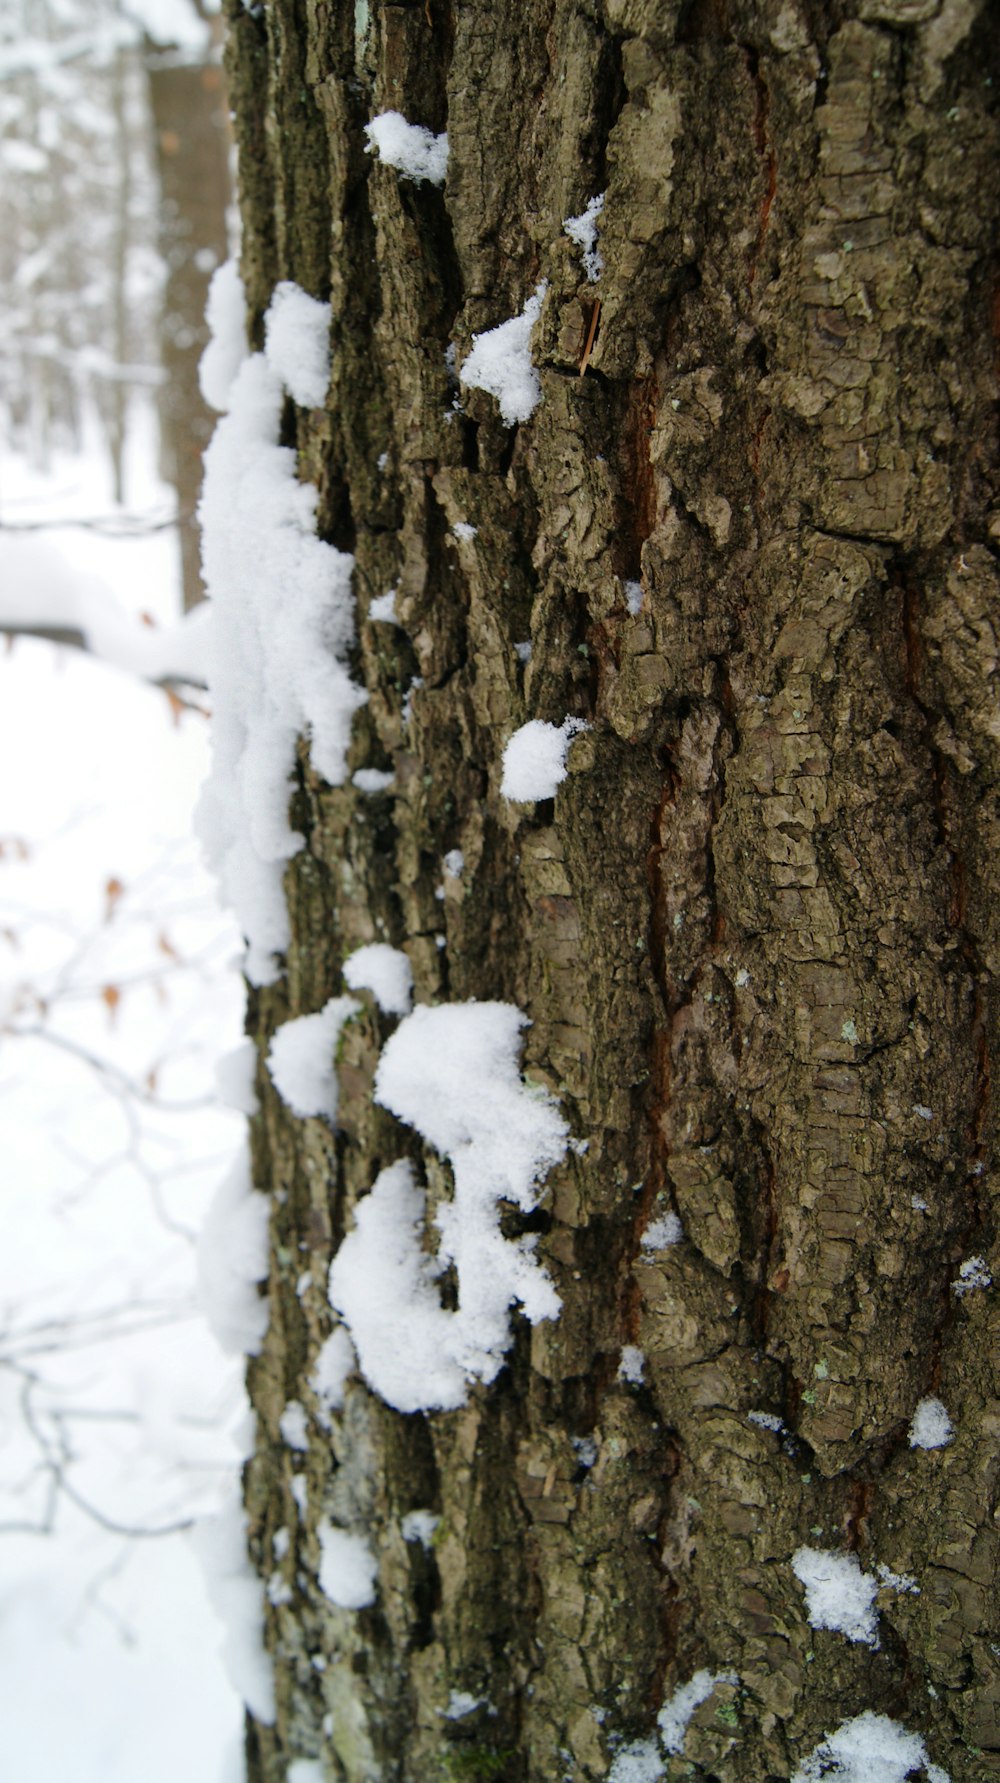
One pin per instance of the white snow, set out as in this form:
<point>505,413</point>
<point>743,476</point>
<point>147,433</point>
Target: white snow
<point>413,150</point>
<point>305,1770</point>
<point>294,1425</point>
<point>386,972</point>
<point>282,626</point>
<point>634,597</point>
<point>382,609</point>
<point>583,231</point>
<point>419,1526</point>
<point>297,343</point>
<point>534,761</point>
<point>460,1704</point>
<point>662,1232</point>
<point>631,1366</point>
<point>639,1762</point>
<point>452,1073</point>
<point>454,863</point>
<point>500,362</point>
<point>237,1596</point>
<point>225,313</point>
<point>330,1370</point>
<point>931,1427</point>
<point>347,1568</point>
<point>891,1581</point>
<point>676,1713</point>
<point>301,1058</point>
<point>373,780</point>
<point>972,1274</point>
<point>868,1749</point>
<point>838,1594</point>
<point>232,1260</point>
<point>235,1072</point>
<point>464,532</point>
<point>766,1421</point>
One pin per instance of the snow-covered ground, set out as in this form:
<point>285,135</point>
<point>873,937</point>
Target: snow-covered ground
<point>113,1393</point>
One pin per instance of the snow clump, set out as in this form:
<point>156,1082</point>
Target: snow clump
<point>451,1072</point>
<point>676,1713</point>
<point>347,1568</point>
<point>661,1233</point>
<point>838,1594</point>
<point>931,1427</point>
<point>869,1749</point>
<point>386,972</point>
<point>331,1368</point>
<point>972,1274</point>
<point>500,362</point>
<point>225,313</point>
<point>237,1597</point>
<point>235,1073</point>
<point>413,150</point>
<point>583,231</point>
<point>282,628</point>
<point>296,334</point>
<point>534,761</point>
<point>300,1059</point>
<point>232,1260</point>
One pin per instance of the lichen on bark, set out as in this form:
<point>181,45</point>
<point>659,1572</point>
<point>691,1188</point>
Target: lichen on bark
<point>756,930</point>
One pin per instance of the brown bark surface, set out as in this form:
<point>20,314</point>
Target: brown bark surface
<point>757,929</point>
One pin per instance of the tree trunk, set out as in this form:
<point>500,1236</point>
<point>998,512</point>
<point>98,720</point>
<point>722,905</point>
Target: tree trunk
<point>756,930</point>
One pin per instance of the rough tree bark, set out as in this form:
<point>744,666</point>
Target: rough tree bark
<point>756,931</point>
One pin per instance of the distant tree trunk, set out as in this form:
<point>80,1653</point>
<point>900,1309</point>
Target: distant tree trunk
<point>756,932</point>
<point>188,107</point>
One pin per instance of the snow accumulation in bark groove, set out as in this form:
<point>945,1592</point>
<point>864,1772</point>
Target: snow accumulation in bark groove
<point>642,1761</point>
<point>869,1749</point>
<point>500,362</point>
<point>582,230</point>
<point>452,1073</point>
<point>413,150</point>
<point>534,761</point>
<point>282,626</point>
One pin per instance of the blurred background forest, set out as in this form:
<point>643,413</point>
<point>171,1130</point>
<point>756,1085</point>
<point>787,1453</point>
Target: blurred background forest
<point>121,1423</point>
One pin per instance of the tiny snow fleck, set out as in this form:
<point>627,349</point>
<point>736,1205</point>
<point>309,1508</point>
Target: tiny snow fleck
<point>460,1704</point>
<point>419,1526</point>
<point>296,343</point>
<point>931,1427</point>
<point>279,1591</point>
<point>580,1147</point>
<point>918,1203</point>
<point>639,1762</point>
<point>347,1568</point>
<point>583,231</point>
<point>849,1032</point>
<point>415,685</point>
<point>868,1749</point>
<point>300,1492</point>
<point>523,650</point>
<point>300,1058</point>
<point>925,1113</point>
<point>382,610</point>
<point>464,531</point>
<point>294,1425</point>
<point>632,1365</point>
<point>838,1594</point>
<point>742,978</point>
<point>676,1713</point>
<point>303,1284</point>
<point>766,1421</point>
<point>413,150</point>
<point>891,1581</point>
<point>439,893</point>
<point>662,1232</point>
<point>634,597</point>
<point>330,1370</point>
<point>234,1078</point>
<point>454,863</point>
<point>386,972</point>
<point>381,461</point>
<point>586,1450</point>
<point>500,362</point>
<point>281,1541</point>
<point>972,1274</point>
<point>372,780</point>
<point>534,761</point>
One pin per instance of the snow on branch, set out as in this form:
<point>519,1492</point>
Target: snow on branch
<point>452,1073</point>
